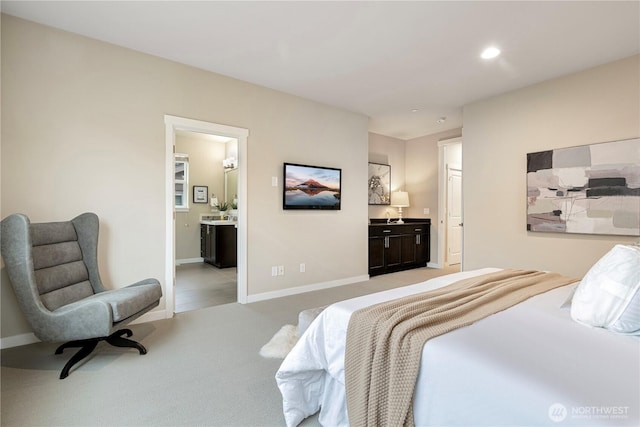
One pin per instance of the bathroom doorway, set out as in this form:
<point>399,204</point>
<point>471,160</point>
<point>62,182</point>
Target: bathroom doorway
<point>206,177</point>
<point>450,212</point>
<point>174,127</point>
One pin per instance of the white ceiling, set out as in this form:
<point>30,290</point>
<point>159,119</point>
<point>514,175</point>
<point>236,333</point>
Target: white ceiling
<point>381,59</point>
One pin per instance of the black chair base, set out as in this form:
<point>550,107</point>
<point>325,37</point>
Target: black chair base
<point>87,346</point>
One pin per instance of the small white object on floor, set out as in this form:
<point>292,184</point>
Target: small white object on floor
<point>281,343</point>
<point>284,340</point>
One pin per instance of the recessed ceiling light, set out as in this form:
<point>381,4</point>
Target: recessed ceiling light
<point>490,52</point>
<point>441,120</point>
<point>415,110</point>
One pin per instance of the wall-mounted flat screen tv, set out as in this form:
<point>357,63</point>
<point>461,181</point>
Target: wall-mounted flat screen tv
<point>311,187</point>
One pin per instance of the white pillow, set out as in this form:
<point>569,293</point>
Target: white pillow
<point>609,295</point>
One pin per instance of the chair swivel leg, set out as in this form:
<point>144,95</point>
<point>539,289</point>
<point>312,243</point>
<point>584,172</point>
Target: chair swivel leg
<point>116,339</point>
<point>86,347</point>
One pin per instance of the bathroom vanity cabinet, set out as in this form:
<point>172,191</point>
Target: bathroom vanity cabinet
<point>218,243</point>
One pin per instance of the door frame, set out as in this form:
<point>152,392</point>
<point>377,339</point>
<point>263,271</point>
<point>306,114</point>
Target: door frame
<point>172,124</point>
<point>442,203</point>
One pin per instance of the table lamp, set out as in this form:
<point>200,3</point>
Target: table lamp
<point>400,199</point>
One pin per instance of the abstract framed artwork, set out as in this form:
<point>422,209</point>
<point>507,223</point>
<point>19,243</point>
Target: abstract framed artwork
<point>379,184</point>
<point>590,189</point>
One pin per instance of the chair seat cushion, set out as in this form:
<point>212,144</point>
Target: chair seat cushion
<point>130,300</point>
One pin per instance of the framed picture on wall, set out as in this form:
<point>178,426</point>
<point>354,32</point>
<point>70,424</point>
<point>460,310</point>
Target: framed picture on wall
<point>379,183</point>
<point>200,194</point>
<point>589,189</point>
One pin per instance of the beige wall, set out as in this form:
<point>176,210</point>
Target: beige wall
<point>596,105</point>
<point>83,130</point>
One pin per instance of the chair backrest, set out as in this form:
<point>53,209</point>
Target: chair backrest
<point>61,275</point>
<point>51,264</point>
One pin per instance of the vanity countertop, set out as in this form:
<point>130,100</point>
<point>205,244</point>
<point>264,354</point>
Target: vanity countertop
<point>394,221</point>
<point>219,222</point>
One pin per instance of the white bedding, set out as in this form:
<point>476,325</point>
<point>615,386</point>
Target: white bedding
<point>530,365</point>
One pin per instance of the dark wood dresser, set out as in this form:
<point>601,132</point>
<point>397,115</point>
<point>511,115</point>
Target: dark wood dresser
<point>395,247</point>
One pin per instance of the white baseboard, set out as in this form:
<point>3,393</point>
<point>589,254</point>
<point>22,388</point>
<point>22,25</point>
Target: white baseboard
<point>308,288</point>
<point>30,338</point>
<point>434,265</point>
<point>189,261</point>
<point>18,340</point>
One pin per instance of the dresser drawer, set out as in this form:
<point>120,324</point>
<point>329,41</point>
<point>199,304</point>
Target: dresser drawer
<point>383,230</point>
<point>393,229</point>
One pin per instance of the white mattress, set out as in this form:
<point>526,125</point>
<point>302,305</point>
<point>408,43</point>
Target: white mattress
<point>530,365</point>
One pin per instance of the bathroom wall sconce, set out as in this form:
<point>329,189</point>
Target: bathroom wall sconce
<point>400,199</point>
<point>230,163</point>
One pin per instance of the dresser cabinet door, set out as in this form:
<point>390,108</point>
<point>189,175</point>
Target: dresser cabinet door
<point>408,249</point>
<point>393,252</point>
<point>376,255</point>
<point>422,248</point>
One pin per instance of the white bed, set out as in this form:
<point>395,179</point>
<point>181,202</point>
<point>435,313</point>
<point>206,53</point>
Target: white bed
<point>530,365</point>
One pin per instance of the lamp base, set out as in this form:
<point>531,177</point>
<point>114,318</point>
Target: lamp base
<point>400,221</point>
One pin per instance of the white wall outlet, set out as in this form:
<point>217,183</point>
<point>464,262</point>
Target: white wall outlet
<point>274,270</point>
<point>303,267</point>
<point>274,181</point>
<point>426,211</point>
<point>281,270</point>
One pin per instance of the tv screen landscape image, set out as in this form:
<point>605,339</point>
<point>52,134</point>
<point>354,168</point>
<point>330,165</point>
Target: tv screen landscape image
<point>311,187</point>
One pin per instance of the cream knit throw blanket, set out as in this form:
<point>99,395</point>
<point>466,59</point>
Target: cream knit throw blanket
<point>385,341</point>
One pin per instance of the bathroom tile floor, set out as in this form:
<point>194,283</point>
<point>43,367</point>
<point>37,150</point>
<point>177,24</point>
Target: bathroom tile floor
<point>201,285</point>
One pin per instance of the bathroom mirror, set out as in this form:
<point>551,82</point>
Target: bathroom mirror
<point>230,184</point>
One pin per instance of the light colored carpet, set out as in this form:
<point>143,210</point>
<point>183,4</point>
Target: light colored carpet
<point>203,368</point>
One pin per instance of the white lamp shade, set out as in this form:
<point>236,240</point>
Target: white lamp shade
<point>400,199</point>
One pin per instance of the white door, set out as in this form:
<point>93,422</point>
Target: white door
<point>454,215</point>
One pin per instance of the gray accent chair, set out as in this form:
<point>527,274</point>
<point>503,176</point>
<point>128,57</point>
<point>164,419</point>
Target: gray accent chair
<point>53,268</point>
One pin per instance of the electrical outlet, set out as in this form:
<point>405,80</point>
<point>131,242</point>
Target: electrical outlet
<point>281,270</point>
<point>426,211</point>
<point>274,271</point>
<point>303,268</point>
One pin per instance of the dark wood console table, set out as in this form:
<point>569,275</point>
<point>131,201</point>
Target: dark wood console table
<point>395,247</point>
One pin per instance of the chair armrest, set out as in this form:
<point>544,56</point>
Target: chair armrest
<point>149,281</point>
<point>79,320</point>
